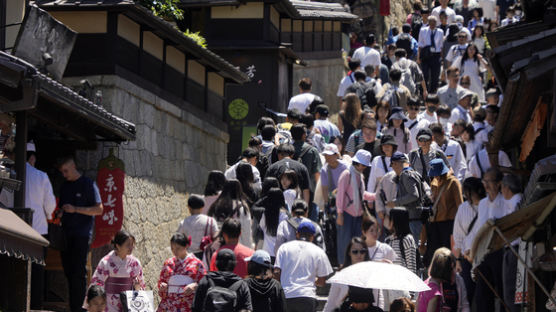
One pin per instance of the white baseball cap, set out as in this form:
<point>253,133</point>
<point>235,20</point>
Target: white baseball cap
<point>330,149</point>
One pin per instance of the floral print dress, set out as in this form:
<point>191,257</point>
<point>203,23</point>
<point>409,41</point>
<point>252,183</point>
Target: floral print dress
<point>178,273</point>
<point>114,266</point>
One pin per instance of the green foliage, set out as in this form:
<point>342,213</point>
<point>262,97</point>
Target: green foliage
<point>200,40</point>
<point>167,9</point>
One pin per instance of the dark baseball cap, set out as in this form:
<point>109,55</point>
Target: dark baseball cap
<point>424,133</point>
<point>225,254</point>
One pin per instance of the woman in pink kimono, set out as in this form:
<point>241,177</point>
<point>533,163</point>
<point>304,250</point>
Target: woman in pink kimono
<point>179,276</point>
<point>119,271</point>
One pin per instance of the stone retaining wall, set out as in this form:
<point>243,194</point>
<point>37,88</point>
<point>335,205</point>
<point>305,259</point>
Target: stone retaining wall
<point>326,75</point>
<point>171,157</point>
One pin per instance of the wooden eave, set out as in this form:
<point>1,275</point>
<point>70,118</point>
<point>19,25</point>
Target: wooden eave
<point>165,31</point>
<point>524,69</point>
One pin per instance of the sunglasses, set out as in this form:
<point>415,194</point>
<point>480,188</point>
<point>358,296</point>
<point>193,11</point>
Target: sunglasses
<point>413,108</point>
<point>423,140</point>
<point>360,252</point>
<point>462,36</point>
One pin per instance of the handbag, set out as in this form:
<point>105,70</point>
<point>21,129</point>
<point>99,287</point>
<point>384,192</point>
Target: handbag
<point>207,239</point>
<point>137,301</point>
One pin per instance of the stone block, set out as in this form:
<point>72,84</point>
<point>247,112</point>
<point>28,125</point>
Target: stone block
<point>154,143</point>
<point>149,163</point>
<point>146,113</point>
<point>187,152</point>
<point>157,120</point>
<point>131,107</point>
<point>139,172</point>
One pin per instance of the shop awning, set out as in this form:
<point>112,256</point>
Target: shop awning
<point>20,240</point>
<point>522,223</point>
<point>25,88</point>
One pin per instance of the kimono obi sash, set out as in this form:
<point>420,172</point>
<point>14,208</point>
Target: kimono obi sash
<point>177,282</point>
<point>115,285</point>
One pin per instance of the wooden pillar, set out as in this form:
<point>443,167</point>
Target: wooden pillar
<point>28,266</point>
<point>20,156</point>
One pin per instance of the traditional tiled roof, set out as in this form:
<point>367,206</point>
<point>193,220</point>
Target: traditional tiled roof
<point>322,10</point>
<point>72,101</point>
<point>83,106</point>
<point>297,9</point>
<point>169,31</point>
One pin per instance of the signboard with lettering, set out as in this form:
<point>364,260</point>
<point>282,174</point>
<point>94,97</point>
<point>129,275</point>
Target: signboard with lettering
<point>110,181</point>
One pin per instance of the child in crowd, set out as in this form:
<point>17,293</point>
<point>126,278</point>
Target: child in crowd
<point>382,112</point>
<point>96,299</point>
<point>288,181</point>
<point>198,225</point>
<point>179,276</point>
<point>440,270</point>
<point>397,129</point>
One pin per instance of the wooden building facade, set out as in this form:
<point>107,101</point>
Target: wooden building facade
<point>267,40</point>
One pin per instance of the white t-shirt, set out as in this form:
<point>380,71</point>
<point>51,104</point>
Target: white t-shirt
<point>431,119</point>
<point>301,263</point>
<point>456,158</point>
<point>451,14</point>
<point>377,172</point>
<point>422,123</point>
<point>367,56</point>
<point>301,101</point>
<point>344,84</point>
<point>230,173</point>
<point>487,210</point>
<point>482,135</point>
<point>459,113</point>
<point>290,195</point>
<point>474,170</point>
<point>455,51</point>
<point>382,251</point>
<point>195,227</point>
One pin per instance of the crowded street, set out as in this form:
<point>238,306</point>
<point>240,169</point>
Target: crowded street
<point>284,155</point>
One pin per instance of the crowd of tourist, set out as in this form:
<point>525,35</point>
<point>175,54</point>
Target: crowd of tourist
<point>402,174</point>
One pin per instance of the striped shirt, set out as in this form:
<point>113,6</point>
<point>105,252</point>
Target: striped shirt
<point>408,258</point>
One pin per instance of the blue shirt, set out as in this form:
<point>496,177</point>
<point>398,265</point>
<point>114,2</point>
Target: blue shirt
<point>80,193</point>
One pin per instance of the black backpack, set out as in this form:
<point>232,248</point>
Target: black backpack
<point>220,298</point>
<point>365,92</point>
<point>416,23</point>
<point>404,42</point>
<point>304,150</point>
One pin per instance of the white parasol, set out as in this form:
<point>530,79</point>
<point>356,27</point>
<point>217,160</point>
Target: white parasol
<point>379,275</point>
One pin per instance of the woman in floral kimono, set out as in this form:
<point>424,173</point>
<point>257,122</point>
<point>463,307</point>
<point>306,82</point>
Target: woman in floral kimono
<point>179,276</point>
<point>119,271</point>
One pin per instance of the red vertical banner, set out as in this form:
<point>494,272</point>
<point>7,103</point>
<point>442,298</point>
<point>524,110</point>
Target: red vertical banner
<point>110,182</point>
<point>384,7</point>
